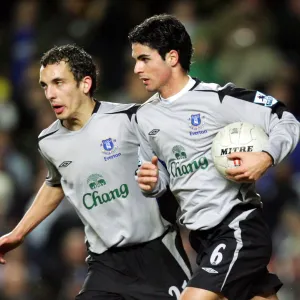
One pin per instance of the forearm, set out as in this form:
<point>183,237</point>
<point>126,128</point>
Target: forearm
<point>46,201</point>
<point>284,137</point>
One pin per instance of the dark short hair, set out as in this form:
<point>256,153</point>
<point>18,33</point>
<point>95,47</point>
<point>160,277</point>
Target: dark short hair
<point>164,33</point>
<point>81,63</point>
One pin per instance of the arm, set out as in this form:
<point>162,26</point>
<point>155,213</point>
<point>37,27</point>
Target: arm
<point>153,177</point>
<point>46,201</point>
<point>284,134</point>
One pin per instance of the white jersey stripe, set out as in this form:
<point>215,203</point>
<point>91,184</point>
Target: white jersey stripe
<point>235,225</point>
<point>169,242</point>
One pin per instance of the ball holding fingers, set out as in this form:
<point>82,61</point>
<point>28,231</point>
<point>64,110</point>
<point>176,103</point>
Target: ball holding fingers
<point>236,137</point>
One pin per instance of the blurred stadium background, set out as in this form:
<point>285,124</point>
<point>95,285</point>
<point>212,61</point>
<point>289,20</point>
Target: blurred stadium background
<point>253,43</point>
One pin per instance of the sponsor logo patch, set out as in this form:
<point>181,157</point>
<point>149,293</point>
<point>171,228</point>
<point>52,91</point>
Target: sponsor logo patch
<point>179,167</point>
<point>95,181</point>
<point>179,152</point>
<point>265,100</point>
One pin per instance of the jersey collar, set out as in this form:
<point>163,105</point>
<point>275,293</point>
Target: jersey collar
<point>96,107</point>
<point>196,83</point>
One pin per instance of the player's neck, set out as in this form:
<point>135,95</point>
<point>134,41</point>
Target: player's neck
<point>175,85</point>
<point>79,118</point>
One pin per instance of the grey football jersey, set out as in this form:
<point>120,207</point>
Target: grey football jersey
<point>96,168</point>
<point>180,133</point>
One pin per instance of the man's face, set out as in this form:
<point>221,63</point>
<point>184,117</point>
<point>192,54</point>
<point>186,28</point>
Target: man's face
<point>151,68</point>
<point>61,89</point>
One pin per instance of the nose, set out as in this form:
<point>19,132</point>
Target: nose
<point>138,68</point>
<point>50,93</point>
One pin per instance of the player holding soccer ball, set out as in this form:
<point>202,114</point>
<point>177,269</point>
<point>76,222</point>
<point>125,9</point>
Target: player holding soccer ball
<point>178,125</point>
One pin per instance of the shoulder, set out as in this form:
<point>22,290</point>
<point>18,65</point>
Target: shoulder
<point>119,108</point>
<point>207,87</point>
<point>240,93</point>
<point>254,97</point>
<point>151,101</point>
<point>49,131</point>
<point>154,100</point>
<point>211,87</point>
<point>231,90</point>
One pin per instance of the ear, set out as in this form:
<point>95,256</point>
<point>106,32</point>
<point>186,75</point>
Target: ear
<point>86,84</point>
<point>172,58</point>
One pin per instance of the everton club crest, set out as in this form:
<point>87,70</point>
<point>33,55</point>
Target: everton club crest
<point>109,146</point>
<point>196,121</point>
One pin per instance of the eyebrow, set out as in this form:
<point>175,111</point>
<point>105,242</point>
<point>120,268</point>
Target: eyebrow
<point>143,56</point>
<point>42,83</point>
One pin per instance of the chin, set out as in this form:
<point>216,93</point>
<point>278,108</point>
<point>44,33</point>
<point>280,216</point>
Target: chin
<point>61,117</point>
<point>150,89</point>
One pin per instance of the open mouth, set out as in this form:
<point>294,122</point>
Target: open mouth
<point>58,109</point>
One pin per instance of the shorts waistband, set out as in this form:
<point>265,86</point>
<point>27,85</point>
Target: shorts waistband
<point>115,249</point>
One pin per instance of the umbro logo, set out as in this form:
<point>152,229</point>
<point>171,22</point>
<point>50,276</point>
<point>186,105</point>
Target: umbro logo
<point>210,270</point>
<point>153,131</point>
<point>65,164</point>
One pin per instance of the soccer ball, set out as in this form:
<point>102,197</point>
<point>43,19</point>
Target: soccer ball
<point>236,137</point>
